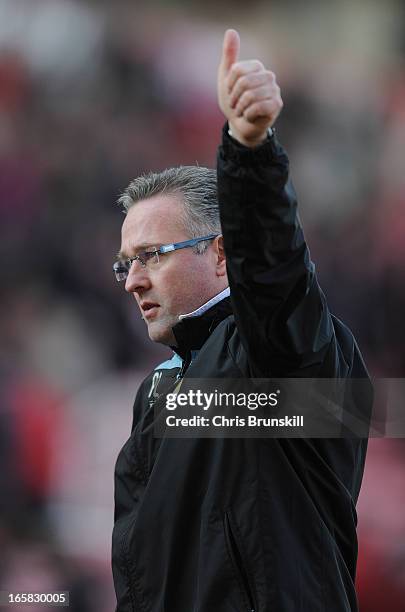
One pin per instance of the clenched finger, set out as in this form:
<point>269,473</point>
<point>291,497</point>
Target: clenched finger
<point>239,69</point>
<point>250,81</point>
<point>252,96</point>
<point>269,109</point>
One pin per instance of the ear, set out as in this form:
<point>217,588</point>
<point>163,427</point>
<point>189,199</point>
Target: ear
<point>220,256</point>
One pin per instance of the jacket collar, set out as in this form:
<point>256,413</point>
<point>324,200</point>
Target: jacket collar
<point>193,329</point>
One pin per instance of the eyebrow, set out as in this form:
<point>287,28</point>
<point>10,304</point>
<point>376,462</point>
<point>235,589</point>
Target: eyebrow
<point>139,249</point>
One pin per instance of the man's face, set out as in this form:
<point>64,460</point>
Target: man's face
<point>182,280</point>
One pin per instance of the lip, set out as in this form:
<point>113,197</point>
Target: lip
<point>149,309</point>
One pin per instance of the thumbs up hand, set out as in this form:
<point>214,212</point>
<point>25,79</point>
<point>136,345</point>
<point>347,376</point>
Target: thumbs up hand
<point>248,94</point>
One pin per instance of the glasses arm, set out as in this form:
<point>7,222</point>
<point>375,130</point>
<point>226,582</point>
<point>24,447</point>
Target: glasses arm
<point>186,243</point>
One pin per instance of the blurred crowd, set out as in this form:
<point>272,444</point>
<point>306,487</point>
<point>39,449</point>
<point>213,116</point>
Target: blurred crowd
<point>91,95</point>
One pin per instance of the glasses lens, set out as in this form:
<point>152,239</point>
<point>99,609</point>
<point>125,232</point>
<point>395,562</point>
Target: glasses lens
<point>146,259</point>
<point>121,269</point>
<point>150,258</point>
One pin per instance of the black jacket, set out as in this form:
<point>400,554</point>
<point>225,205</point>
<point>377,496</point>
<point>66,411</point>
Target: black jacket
<point>235,525</point>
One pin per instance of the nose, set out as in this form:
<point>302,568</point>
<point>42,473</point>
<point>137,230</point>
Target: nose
<point>138,279</point>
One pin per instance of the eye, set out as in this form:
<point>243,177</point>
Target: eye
<point>149,257</point>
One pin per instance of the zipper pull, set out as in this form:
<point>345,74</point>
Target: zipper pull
<point>184,366</point>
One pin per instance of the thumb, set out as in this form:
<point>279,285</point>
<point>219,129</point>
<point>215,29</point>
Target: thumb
<point>230,49</point>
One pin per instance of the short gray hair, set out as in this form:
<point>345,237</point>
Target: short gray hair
<point>197,187</point>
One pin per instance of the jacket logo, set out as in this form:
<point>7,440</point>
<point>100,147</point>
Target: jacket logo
<point>154,385</point>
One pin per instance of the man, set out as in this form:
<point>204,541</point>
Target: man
<point>232,525</point>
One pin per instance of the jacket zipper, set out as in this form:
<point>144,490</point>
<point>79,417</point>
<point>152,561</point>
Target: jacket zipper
<point>154,403</point>
<point>238,563</point>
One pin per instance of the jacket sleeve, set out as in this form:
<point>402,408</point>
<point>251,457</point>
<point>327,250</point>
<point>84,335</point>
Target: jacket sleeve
<point>280,311</point>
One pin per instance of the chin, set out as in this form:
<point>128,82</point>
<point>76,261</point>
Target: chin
<point>161,334</point>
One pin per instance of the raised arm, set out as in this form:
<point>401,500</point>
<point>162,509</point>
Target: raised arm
<point>280,311</point>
